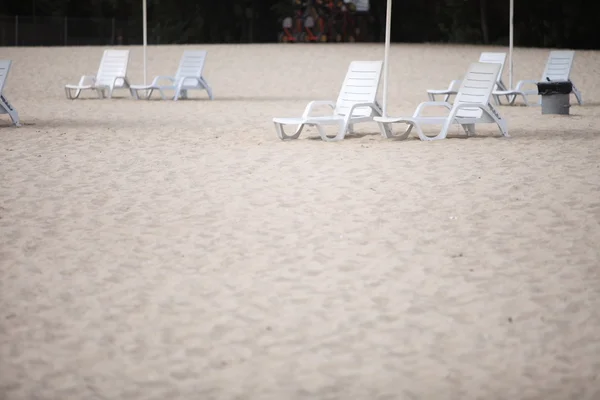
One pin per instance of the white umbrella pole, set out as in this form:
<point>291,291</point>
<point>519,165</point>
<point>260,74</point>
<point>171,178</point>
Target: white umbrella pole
<point>388,30</point>
<point>145,24</point>
<point>510,44</point>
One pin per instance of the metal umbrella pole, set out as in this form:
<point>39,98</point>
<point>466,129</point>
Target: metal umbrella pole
<point>386,55</point>
<point>510,44</point>
<point>145,35</point>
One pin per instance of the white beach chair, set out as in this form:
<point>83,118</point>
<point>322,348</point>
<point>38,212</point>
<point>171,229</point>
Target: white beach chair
<point>471,106</point>
<point>112,74</point>
<point>558,68</point>
<point>356,102</point>
<point>485,57</point>
<point>5,106</point>
<point>188,77</point>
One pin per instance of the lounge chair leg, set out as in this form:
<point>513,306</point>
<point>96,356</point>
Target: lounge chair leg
<point>422,136</point>
<point>207,87</point>
<point>135,93</point>
<point>577,94</point>
<point>12,113</point>
<point>69,93</point>
<point>469,129</point>
<point>180,94</point>
<point>385,130</point>
<point>388,132</point>
<point>281,133</point>
<point>502,127</point>
<point>343,128</point>
<point>498,101</point>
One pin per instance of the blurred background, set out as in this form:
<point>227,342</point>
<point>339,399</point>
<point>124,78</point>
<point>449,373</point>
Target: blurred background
<point>538,23</point>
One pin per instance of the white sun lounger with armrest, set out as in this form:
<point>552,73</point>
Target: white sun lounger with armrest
<point>112,74</point>
<point>356,102</point>
<point>558,68</point>
<point>485,57</point>
<point>188,77</point>
<point>471,106</point>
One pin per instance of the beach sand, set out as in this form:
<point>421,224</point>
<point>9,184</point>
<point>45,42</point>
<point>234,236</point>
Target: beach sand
<point>179,250</point>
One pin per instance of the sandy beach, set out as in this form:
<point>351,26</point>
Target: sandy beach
<point>179,250</point>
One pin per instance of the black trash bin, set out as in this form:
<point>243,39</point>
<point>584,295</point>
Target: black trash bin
<point>555,96</point>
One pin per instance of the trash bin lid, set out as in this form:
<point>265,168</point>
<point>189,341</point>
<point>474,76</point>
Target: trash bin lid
<point>554,87</point>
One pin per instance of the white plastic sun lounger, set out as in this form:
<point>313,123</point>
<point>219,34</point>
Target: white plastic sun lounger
<point>472,106</point>
<point>5,106</point>
<point>356,102</point>
<point>558,68</point>
<point>112,74</point>
<point>188,77</point>
<point>485,57</point>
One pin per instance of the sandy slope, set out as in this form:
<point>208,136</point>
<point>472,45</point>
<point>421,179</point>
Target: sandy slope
<point>162,250</point>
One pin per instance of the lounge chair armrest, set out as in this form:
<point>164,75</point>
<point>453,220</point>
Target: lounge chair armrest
<point>374,106</point>
<point>455,84</point>
<point>158,78</point>
<point>520,84</point>
<point>114,83</point>
<point>313,104</point>
<point>87,80</point>
<point>426,104</point>
<point>185,78</point>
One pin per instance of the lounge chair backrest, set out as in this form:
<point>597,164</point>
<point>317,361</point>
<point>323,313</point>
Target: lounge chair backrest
<point>4,68</point>
<point>360,86</point>
<point>499,58</point>
<point>113,64</point>
<point>488,57</point>
<point>191,64</point>
<point>477,87</point>
<point>558,66</point>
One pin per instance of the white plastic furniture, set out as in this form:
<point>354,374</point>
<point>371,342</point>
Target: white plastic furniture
<point>188,77</point>
<point>356,102</point>
<point>471,106</point>
<point>485,57</point>
<point>112,74</point>
<point>558,68</point>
